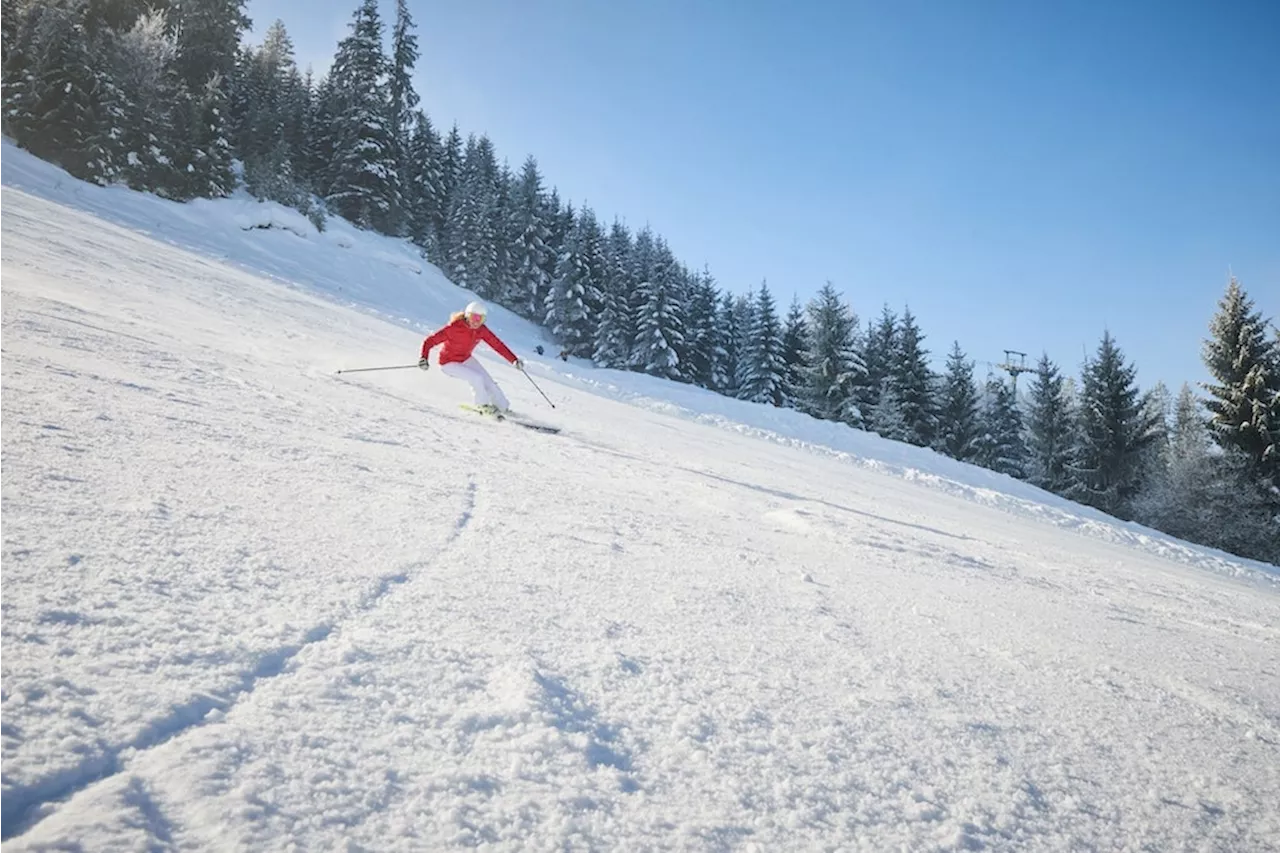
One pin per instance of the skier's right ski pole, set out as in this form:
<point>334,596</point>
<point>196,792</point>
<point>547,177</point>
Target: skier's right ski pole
<point>535,385</point>
<point>366,369</point>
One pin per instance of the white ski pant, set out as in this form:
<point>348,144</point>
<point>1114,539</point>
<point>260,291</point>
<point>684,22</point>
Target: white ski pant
<point>483,389</point>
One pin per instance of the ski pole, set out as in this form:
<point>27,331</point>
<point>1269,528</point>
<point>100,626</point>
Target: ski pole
<point>540,391</point>
<point>366,369</point>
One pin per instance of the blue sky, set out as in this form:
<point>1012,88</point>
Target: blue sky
<point>1023,175</point>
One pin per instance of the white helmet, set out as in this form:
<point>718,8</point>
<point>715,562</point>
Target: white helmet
<point>476,309</point>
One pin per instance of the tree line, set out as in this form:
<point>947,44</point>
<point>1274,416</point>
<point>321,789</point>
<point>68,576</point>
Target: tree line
<point>164,96</point>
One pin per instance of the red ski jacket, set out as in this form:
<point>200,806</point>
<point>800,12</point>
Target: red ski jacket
<point>460,340</point>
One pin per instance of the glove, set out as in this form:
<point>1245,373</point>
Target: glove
<point>424,364</point>
<point>518,364</point>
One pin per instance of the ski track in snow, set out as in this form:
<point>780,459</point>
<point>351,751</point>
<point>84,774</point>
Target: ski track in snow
<point>252,605</point>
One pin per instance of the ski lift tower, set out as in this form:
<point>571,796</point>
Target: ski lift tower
<point>1013,368</point>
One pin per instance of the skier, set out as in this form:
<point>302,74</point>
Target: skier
<point>459,338</point>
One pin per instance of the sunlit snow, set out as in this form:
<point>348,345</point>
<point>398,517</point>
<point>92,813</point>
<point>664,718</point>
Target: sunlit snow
<point>252,604</point>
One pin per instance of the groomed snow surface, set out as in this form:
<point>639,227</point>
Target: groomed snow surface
<point>251,604</point>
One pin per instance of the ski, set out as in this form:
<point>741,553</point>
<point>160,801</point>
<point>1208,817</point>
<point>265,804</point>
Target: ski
<point>508,418</point>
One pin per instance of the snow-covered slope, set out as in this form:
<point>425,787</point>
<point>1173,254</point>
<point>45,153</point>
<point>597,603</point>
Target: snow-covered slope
<point>251,604</point>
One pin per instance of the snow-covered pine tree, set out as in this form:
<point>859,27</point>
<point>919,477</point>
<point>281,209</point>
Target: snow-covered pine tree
<point>959,426</point>
<point>207,39</point>
<point>204,164</point>
<point>1114,433</point>
<point>701,330</point>
<point>615,329</point>
<point>795,345</point>
<point>270,121</point>
<point>660,325</point>
<point>503,226</point>
<point>835,371</point>
<point>321,139</point>
<point>684,283</point>
<point>452,160</point>
<point>595,246</point>
<point>561,218</point>
<point>424,188</point>
<point>20,21</point>
<point>404,55</point>
<point>879,352</point>
<point>639,271</point>
<point>152,106</point>
<point>530,255</point>
<point>1000,445</point>
<point>54,82</point>
<point>472,257</point>
<point>725,369</point>
<point>887,418</point>
<point>1157,409</point>
<point>744,317</point>
<point>765,375</point>
<point>915,383</point>
<point>365,183</point>
<point>403,100</point>
<point>568,315</point>
<point>1245,367</point>
<point>1050,429</point>
<point>1176,500</point>
<point>10,11</point>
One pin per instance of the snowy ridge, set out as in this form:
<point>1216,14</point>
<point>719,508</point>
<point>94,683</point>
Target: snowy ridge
<point>249,604</point>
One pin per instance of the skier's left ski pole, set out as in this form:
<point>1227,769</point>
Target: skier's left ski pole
<point>365,369</point>
<point>535,385</point>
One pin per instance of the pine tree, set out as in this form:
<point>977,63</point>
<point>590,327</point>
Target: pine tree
<point>451,178</point>
<point>795,346</point>
<point>914,382</point>
<point>701,330</point>
<point>53,92</point>
<point>561,219</point>
<point>208,38</point>
<point>660,326</point>
<point>151,106</point>
<point>744,317</point>
<point>765,373</point>
<point>505,237</point>
<point>10,12</point>
<point>365,184</point>
<point>639,271</point>
<point>835,371</point>
<point>568,314</point>
<point>1246,370</point>
<point>1177,500</point>
<point>959,427</point>
<point>729,336</point>
<point>404,55</point>
<point>1000,444</point>
<point>1157,410</point>
<point>887,417</point>
<point>21,22</point>
<point>880,356</point>
<point>615,329</point>
<point>402,101</point>
<point>207,42</point>
<point>271,109</point>
<point>473,255</point>
<point>530,255</point>
<point>1114,433</point>
<point>322,139</point>
<point>1050,435</point>
<point>424,187</point>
